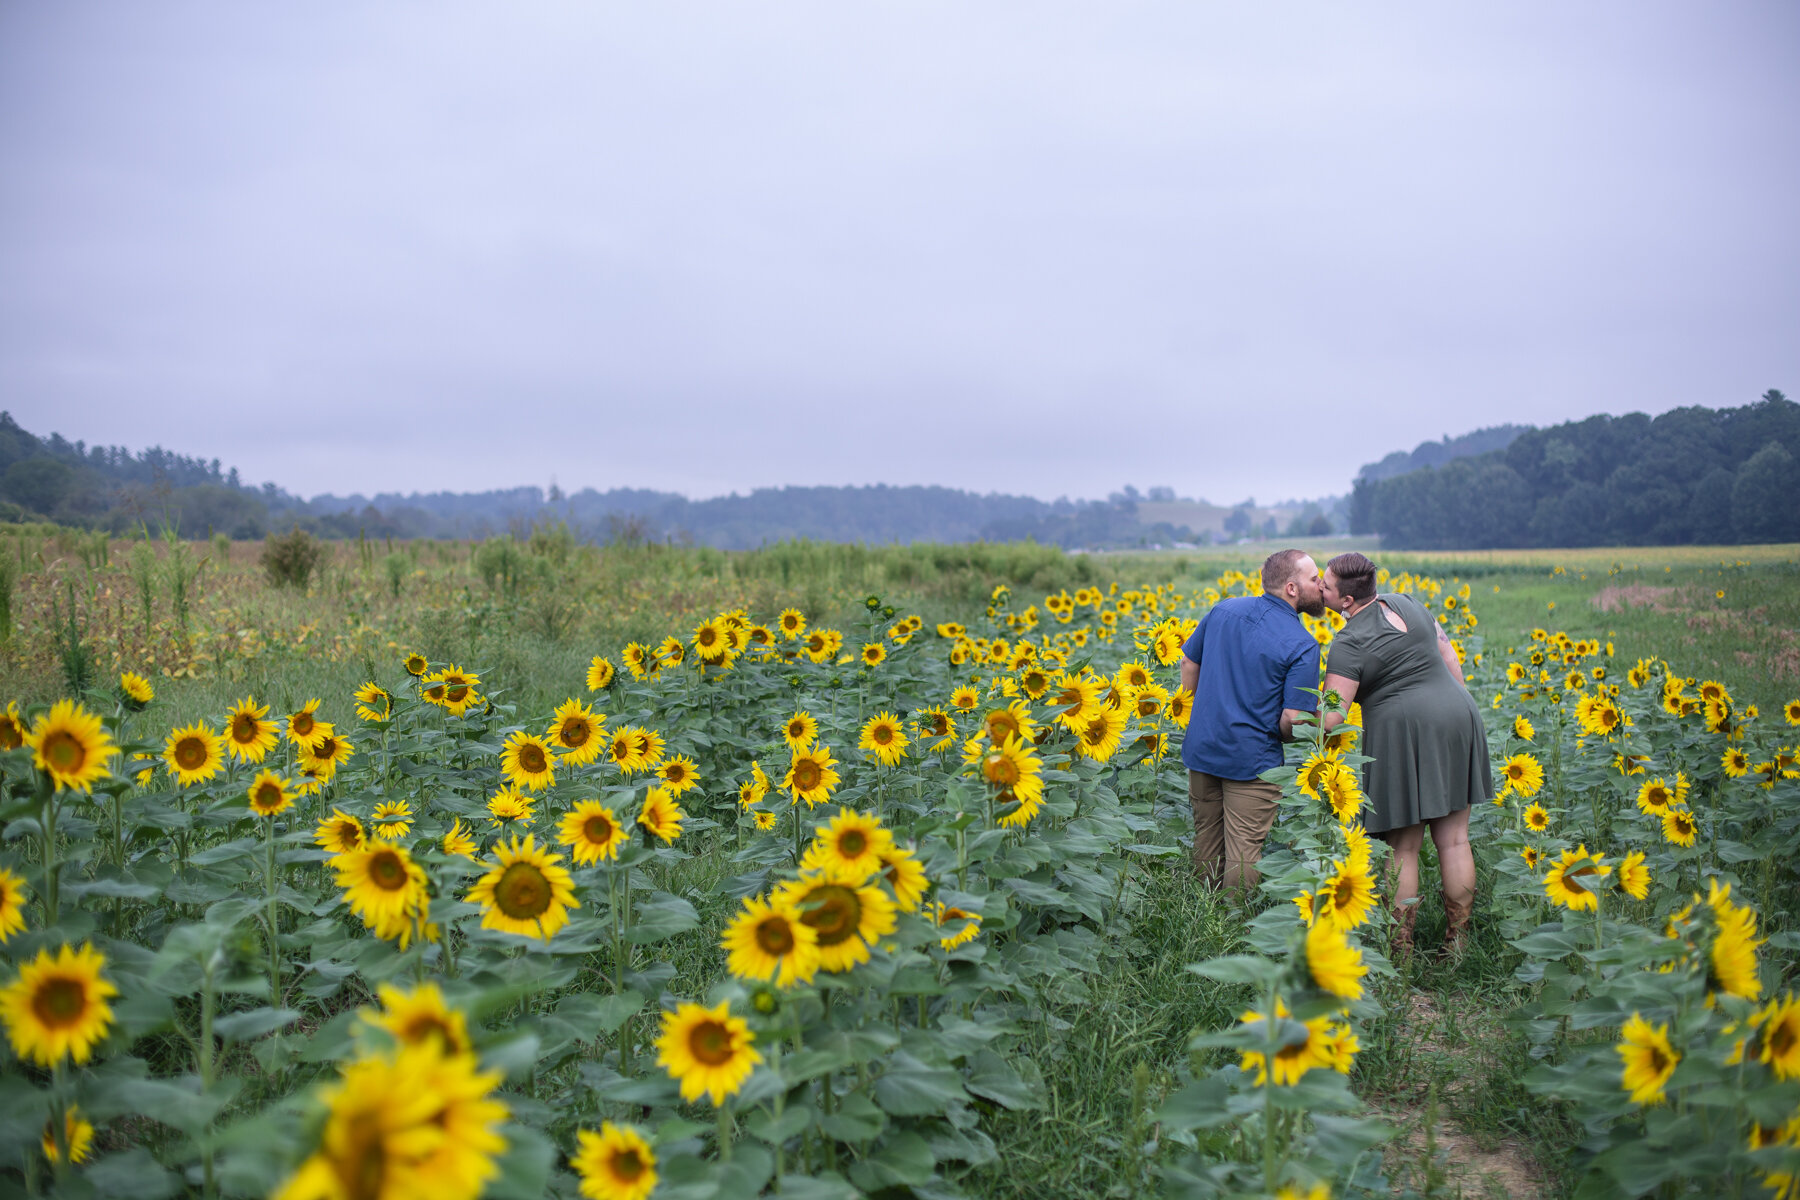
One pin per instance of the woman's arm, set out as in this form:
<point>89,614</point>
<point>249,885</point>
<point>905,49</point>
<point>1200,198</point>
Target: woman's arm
<point>1447,652</point>
<point>1345,688</point>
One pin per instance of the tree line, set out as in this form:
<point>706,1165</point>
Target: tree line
<point>1689,476</point>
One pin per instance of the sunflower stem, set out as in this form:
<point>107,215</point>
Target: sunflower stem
<point>724,1133</point>
<point>52,869</point>
<point>274,926</point>
<point>59,1122</point>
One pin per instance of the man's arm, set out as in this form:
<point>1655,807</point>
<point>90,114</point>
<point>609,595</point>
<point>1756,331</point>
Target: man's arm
<point>1302,677</point>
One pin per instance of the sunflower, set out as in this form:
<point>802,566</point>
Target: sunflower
<point>592,832</point>
<point>329,750</point>
<point>415,665</point>
<point>269,795</point>
<point>1537,818</point>
<point>420,1017</point>
<point>71,745</point>
<point>373,702</point>
<point>1356,847</point>
<point>753,789</point>
<point>800,730</point>
<point>622,750</point>
<point>792,622</point>
<point>635,657</point>
<point>1078,696</point>
<point>248,737</point>
<point>883,736</point>
<point>1634,876</point>
<point>1099,734</point>
<point>851,842</point>
<point>78,1135</point>
<point>765,820</point>
<point>1012,721</point>
<point>905,874</point>
<point>1524,775</point>
<point>194,754</point>
<point>1649,1060</point>
<point>649,746</point>
<point>1522,728</point>
<point>937,725</point>
<point>964,698</point>
<point>56,1008</point>
<point>614,1164</point>
<point>848,914</point>
<point>1679,827</point>
<point>1565,882</point>
<point>527,761</point>
<point>945,914</point>
<point>1349,895</point>
<point>575,731</point>
<point>382,885</point>
<point>1342,793</point>
<point>457,841</point>
<point>1655,797</point>
<point>707,1050</point>
<point>507,806</point>
<point>661,816</point>
<point>1514,673</point>
<point>771,942</point>
<point>670,652</point>
<point>1736,763</point>
<point>525,891</point>
<point>12,905</point>
<point>392,820</point>
<point>1791,712</point>
<point>136,690</point>
<point>1181,703</point>
<point>818,645</point>
<point>1532,855</point>
<point>1778,1037</point>
<point>1335,965</point>
<point>1151,700</point>
<point>1013,768</point>
<point>303,724</point>
<point>679,774</point>
<point>600,673</point>
<point>417,1122</point>
<point>1733,957</point>
<point>12,727</point>
<point>340,832</point>
<point>811,775</point>
<point>1294,1059</point>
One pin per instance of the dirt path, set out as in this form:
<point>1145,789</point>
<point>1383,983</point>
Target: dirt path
<point>1452,1156</point>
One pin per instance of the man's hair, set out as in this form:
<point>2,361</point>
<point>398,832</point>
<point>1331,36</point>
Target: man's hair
<point>1355,575</point>
<point>1280,567</point>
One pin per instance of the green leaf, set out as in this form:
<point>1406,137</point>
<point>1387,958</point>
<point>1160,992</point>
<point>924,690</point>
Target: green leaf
<point>525,1167</point>
<point>241,1027</point>
<point>661,918</point>
<point>825,1186</point>
<point>133,1175</point>
<point>1239,968</point>
<point>909,1088</point>
<point>1012,1087</point>
<point>775,1130</point>
<point>1202,1104</point>
<point>856,1120</point>
<point>902,1160</point>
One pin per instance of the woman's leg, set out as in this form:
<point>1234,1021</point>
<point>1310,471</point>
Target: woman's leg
<point>1451,836</point>
<point>1403,882</point>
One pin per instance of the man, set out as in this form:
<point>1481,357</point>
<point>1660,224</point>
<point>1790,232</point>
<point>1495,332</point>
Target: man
<point>1248,665</point>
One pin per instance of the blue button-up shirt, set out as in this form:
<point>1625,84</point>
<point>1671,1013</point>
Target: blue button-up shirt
<point>1256,659</point>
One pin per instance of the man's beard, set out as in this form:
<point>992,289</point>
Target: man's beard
<point>1314,607</point>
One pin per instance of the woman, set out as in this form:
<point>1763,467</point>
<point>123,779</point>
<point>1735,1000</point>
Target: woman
<point>1421,728</point>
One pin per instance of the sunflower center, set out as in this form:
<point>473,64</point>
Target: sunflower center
<point>627,1165</point>
<point>426,1025</point>
<point>806,774</point>
<point>881,735</point>
<point>708,637</point>
<point>11,736</point>
<point>775,937</point>
<point>575,733</point>
<point>60,1002</point>
<point>459,690</point>
<point>1095,733</point>
<point>1343,893</point>
<point>268,795</point>
<point>710,1042</point>
<point>327,748</point>
<point>64,752</point>
<point>675,773</point>
<point>1002,726</point>
<point>302,724</point>
<point>835,913</point>
<point>796,729</point>
<point>386,871</point>
<point>1000,770</point>
<point>523,893</point>
<point>1781,1039</point>
<point>621,749</point>
<point>852,843</point>
<point>597,829</point>
<point>190,753</point>
<point>348,836</point>
<point>531,758</point>
<point>1658,1061</point>
<point>940,725</point>
<point>244,729</point>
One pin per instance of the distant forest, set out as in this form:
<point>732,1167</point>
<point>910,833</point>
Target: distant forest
<point>1692,475</point>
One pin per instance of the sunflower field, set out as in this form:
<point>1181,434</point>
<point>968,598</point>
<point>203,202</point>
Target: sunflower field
<point>769,907</point>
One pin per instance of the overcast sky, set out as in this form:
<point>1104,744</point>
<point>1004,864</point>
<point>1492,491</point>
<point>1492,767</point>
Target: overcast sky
<point>1044,248</point>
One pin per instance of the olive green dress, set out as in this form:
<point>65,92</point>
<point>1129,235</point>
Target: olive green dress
<point>1420,727</point>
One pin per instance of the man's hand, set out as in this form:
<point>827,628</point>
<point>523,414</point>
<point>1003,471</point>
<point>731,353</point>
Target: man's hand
<point>1291,717</point>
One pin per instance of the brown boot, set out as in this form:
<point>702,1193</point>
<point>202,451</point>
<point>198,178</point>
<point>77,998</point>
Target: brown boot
<point>1401,945</point>
<point>1456,932</point>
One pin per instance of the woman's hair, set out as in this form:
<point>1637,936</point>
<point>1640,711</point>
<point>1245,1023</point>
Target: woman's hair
<point>1355,575</point>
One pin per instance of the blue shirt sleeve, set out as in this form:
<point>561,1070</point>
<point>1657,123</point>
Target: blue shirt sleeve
<point>1302,673</point>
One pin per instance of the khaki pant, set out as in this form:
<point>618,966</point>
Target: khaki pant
<point>1232,817</point>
